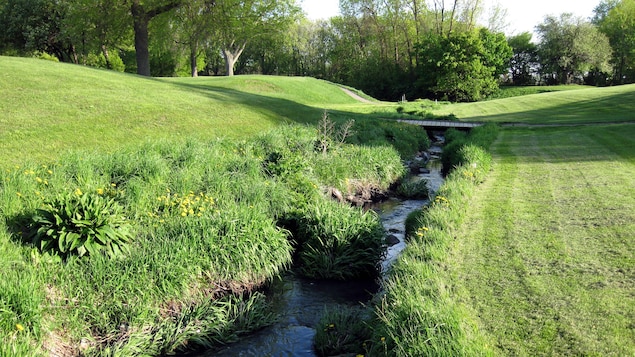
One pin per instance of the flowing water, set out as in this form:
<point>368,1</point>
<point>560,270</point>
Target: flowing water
<point>300,302</point>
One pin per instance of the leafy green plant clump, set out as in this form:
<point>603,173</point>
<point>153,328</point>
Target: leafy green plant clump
<point>81,224</point>
<point>339,242</point>
<point>343,330</point>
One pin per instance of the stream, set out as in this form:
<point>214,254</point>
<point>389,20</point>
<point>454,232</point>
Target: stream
<point>301,302</point>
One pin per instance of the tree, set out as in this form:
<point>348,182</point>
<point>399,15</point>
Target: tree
<point>571,47</point>
<point>616,19</point>
<point>524,62</point>
<point>462,66</point>
<point>239,21</point>
<point>34,25</point>
<point>194,20</point>
<point>142,13</point>
<point>97,26</point>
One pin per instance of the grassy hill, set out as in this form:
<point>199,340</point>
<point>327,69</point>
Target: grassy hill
<point>599,105</point>
<point>47,108</point>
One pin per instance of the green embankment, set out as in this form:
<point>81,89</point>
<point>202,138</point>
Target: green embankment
<point>590,105</point>
<point>47,108</point>
<point>546,256</point>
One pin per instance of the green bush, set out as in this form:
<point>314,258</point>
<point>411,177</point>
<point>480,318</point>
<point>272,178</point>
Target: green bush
<point>81,224</point>
<point>341,242</point>
<point>342,330</point>
<point>413,189</point>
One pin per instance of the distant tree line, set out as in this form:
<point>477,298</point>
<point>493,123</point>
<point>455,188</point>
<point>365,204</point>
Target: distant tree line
<point>387,48</point>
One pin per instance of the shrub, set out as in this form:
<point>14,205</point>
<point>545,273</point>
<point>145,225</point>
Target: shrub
<point>339,242</point>
<point>413,189</point>
<point>81,224</point>
<point>342,330</point>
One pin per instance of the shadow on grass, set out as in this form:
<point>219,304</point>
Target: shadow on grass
<point>615,108</point>
<point>18,228</point>
<point>287,109</point>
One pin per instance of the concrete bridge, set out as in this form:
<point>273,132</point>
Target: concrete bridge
<point>441,124</point>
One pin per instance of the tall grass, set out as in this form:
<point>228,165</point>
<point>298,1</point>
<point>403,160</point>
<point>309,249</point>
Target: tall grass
<point>206,217</point>
<point>418,315</point>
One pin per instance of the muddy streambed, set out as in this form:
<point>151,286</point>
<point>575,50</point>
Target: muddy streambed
<point>300,303</point>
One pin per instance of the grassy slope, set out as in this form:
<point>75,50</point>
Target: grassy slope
<point>47,108</point>
<point>610,104</point>
<point>546,255</point>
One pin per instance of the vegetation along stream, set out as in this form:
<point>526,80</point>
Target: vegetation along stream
<point>300,303</point>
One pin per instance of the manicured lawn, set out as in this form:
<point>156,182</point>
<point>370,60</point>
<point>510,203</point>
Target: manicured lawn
<point>49,108</point>
<point>592,105</point>
<point>546,256</point>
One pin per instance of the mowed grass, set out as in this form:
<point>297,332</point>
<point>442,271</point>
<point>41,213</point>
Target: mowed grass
<point>546,256</point>
<point>590,105</point>
<point>47,108</point>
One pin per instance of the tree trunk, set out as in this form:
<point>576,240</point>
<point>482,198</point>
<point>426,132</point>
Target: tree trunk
<point>141,18</point>
<point>104,50</point>
<point>231,56</point>
<point>193,64</point>
<point>141,21</point>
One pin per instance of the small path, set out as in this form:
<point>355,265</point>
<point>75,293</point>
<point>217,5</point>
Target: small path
<point>355,96</point>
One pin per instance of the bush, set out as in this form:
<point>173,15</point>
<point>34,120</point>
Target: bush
<point>342,330</point>
<point>413,189</point>
<point>339,242</point>
<point>81,224</point>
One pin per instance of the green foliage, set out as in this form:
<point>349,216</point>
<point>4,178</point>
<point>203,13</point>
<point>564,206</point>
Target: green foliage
<point>336,241</point>
<point>45,56</point>
<point>617,22</point>
<point>524,61</point>
<point>98,60</point>
<point>342,330</point>
<point>81,224</point>
<point>462,66</point>
<point>413,189</point>
<point>570,48</point>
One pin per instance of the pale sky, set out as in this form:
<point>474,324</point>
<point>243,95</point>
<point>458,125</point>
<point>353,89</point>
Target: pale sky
<point>522,15</point>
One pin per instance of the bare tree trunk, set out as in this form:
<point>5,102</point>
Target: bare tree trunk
<point>142,54</point>
<point>141,19</point>
<point>231,56</point>
<point>193,64</point>
<point>104,50</point>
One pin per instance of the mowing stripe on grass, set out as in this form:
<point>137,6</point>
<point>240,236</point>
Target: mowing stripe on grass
<point>547,256</point>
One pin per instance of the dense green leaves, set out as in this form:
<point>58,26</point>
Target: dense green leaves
<point>463,66</point>
<point>81,224</point>
<point>571,47</point>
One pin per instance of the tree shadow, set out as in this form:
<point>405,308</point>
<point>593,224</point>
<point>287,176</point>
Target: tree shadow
<point>290,111</point>
<point>18,227</point>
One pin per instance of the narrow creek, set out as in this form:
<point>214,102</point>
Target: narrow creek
<point>300,302</point>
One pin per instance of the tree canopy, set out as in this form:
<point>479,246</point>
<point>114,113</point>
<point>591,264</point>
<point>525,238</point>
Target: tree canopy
<point>387,48</point>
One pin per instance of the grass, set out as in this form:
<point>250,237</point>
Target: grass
<point>590,105</point>
<point>545,257</point>
<point>44,101</point>
<point>514,91</point>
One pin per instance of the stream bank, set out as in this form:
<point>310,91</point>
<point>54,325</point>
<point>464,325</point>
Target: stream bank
<point>300,303</point>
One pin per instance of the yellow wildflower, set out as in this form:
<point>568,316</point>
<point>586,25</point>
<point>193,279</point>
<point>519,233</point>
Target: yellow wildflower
<point>78,192</point>
<point>19,327</point>
<point>100,191</point>
<point>38,179</point>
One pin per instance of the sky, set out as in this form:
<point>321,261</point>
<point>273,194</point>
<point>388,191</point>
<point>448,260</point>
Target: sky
<point>522,15</point>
